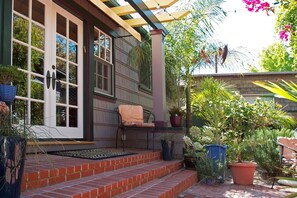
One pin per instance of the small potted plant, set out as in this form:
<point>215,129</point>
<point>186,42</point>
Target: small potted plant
<point>167,144</point>
<point>206,142</point>
<point>176,116</point>
<point>10,75</point>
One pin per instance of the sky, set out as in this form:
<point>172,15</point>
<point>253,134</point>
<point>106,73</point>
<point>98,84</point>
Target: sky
<point>242,29</point>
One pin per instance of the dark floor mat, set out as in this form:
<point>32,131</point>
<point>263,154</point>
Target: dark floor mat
<point>94,154</point>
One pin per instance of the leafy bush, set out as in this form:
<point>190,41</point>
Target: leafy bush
<point>265,149</point>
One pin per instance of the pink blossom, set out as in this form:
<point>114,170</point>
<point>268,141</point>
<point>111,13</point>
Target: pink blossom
<point>283,35</point>
<point>287,26</point>
<point>256,5</point>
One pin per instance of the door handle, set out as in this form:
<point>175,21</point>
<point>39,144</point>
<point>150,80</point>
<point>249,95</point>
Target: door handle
<point>48,79</point>
<point>54,80</point>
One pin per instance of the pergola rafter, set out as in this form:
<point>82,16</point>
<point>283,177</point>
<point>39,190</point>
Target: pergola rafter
<point>144,9</point>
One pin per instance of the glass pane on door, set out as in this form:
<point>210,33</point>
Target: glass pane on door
<point>66,72</point>
<point>28,53</point>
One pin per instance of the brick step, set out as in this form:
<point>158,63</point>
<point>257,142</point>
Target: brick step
<point>45,170</point>
<point>108,184</point>
<point>166,187</point>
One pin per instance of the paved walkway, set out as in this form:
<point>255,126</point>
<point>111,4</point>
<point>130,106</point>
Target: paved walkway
<point>228,189</point>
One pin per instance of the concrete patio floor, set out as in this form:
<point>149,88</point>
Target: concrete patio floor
<point>228,189</point>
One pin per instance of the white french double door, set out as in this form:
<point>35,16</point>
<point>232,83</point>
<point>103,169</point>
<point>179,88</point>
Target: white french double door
<point>47,46</point>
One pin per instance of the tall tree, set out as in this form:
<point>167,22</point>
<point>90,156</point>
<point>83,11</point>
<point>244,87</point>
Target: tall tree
<point>276,58</point>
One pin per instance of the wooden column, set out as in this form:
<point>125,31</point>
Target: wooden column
<point>158,76</point>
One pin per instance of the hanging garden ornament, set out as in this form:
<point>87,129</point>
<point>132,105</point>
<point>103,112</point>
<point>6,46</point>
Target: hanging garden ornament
<point>225,52</point>
<point>204,56</point>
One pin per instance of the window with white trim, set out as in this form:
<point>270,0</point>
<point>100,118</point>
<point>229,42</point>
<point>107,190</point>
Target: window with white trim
<point>103,72</point>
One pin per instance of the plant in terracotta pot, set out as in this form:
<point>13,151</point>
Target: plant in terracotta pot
<point>176,116</point>
<point>10,75</point>
<point>243,121</point>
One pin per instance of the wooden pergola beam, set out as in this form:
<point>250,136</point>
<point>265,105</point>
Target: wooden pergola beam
<point>99,4</point>
<point>151,5</point>
<point>165,17</point>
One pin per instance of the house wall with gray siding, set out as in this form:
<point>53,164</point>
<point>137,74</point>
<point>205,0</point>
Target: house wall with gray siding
<point>126,92</point>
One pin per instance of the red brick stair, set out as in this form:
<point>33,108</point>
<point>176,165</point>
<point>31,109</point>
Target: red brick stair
<point>169,186</point>
<point>79,178</point>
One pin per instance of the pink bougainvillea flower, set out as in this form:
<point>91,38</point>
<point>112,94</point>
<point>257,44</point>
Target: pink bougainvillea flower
<point>283,35</point>
<point>287,26</point>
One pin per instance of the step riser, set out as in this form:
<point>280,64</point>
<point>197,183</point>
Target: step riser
<point>181,187</point>
<point>109,184</point>
<point>38,179</point>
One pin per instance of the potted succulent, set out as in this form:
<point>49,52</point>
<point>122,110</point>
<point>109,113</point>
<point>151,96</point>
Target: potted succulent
<point>10,75</point>
<point>176,116</point>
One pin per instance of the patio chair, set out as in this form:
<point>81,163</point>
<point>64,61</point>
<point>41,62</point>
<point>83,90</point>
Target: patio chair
<point>288,152</point>
<point>134,117</point>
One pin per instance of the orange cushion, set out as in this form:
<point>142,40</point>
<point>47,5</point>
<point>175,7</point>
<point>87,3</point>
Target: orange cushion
<point>139,124</point>
<point>131,113</point>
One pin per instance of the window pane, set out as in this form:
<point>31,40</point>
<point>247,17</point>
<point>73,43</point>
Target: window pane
<point>72,52</point>
<point>22,6</point>
<point>37,111</point>
<point>61,25</point>
<point>106,71</point>
<point>96,49</point>
<point>20,28</point>
<point>102,39</point>
<point>72,117</point>
<point>19,109</point>
<point>72,95</point>
<point>107,43</point>
<point>37,87</point>
<point>96,36</point>
<point>37,64</point>
<point>108,56</point>
<point>61,70</point>
<point>61,46</point>
<point>99,82</point>
<point>61,116</point>
<point>37,36</point>
<point>38,11</point>
<point>73,74</point>
<point>105,84</point>
<point>102,52</point>
<point>72,31</point>
<point>23,88</point>
<point>99,69</point>
<point>20,56</point>
<point>61,92</point>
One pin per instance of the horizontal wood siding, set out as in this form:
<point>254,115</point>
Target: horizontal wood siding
<point>126,92</point>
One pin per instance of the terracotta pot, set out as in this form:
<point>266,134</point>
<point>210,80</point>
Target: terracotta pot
<point>176,120</point>
<point>243,173</point>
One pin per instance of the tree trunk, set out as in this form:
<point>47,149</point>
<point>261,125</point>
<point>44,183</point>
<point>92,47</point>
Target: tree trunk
<point>188,108</point>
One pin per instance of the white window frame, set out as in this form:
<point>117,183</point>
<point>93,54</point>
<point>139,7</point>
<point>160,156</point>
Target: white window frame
<point>105,79</point>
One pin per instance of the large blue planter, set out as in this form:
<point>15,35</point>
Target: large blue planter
<point>12,162</point>
<point>218,155</point>
<point>7,93</point>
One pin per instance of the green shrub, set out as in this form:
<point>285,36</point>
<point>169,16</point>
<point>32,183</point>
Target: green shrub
<point>266,150</point>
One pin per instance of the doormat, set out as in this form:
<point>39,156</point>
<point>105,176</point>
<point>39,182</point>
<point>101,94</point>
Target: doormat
<point>93,154</point>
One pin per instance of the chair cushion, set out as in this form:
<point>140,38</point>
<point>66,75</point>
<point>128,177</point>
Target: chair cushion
<point>139,124</point>
<point>131,114</point>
